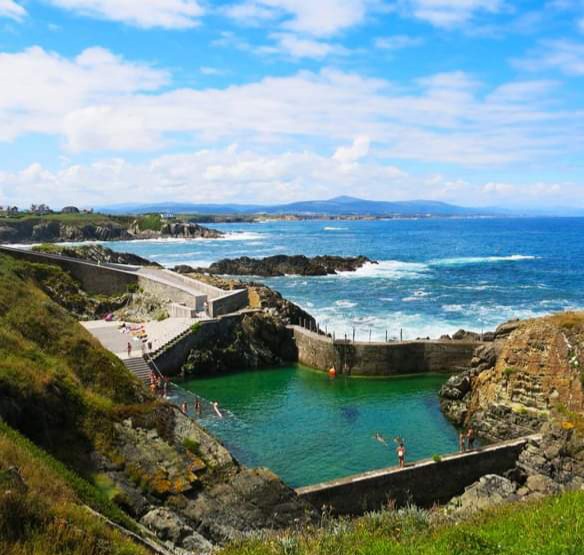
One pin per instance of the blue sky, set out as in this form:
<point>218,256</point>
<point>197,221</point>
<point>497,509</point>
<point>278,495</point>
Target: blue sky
<point>477,102</point>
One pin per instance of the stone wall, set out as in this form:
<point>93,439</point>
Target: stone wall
<point>171,293</point>
<point>95,279</point>
<point>381,359</point>
<point>424,483</point>
<point>170,360</point>
<point>229,302</point>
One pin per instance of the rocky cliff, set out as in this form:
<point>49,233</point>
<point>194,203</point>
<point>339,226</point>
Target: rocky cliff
<point>36,230</point>
<point>282,265</point>
<point>532,368</point>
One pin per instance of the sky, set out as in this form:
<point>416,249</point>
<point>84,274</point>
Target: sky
<point>474,102</point>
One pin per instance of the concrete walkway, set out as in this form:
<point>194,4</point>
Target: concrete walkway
<point>159,333</point>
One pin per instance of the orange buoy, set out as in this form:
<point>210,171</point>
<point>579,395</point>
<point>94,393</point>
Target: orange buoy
<point>332,372</point>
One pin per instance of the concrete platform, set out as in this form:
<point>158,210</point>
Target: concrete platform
<point>159,333</point>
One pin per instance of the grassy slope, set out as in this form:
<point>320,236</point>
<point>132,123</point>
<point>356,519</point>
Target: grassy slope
<point>554,526</point>
<point>64,392</point>
<point>147,221</point>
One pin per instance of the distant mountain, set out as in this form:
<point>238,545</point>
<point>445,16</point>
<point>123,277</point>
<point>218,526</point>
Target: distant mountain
<point>339,206</point>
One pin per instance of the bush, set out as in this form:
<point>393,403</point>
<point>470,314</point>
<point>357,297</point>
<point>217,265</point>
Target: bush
<point>436,458</point>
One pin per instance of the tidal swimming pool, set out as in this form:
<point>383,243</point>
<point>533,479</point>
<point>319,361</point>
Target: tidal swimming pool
<point>309,428</point>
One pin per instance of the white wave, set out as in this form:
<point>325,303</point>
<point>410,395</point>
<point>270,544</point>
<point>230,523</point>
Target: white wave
<point>331,228</point>
<point>463,260</point>
<point>242,236</point>
<point>389,269</point>
<point>195,263</point>
<point>345,304</point>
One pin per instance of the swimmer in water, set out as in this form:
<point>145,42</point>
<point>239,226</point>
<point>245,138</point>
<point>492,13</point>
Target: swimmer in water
<point>380,438</point>
<point>215,405</point>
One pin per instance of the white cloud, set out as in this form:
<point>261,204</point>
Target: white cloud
<point>397,42</point>
<point>168,14</point>
<point>359,149</point>
<point>11,10</point>
<point>228,174</point>
<point>39,88</point>
<point>562,55</point>
<point>207,70</point>
<point>449,13</point>
<point>320,18</point>
<point>97,101</point>
<point>298,47</point>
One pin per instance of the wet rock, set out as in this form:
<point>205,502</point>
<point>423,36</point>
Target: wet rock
<point>281,265</point>
<point>464,335</point>
<point>489,491</point>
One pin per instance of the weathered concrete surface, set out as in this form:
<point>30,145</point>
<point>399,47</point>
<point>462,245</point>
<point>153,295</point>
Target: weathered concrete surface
<point>424,483</point>
<point>381,359</point>
<point>114,279</point>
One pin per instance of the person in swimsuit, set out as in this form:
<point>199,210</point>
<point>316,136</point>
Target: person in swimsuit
<point>401,454</point>
<point>470,437</point>
<point>462,441</point>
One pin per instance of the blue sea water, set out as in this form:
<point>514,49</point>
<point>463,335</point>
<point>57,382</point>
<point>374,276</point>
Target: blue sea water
<point>434,275</point>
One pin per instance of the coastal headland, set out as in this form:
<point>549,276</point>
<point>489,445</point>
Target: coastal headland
<point>521,382</point>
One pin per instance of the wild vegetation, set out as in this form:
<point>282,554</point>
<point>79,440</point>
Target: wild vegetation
<point>553,526</point>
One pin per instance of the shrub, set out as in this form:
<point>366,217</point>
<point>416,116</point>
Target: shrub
<point>509,371</point>
<point>436,458</point>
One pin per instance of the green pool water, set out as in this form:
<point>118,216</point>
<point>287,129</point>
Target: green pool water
<point>309,428</point>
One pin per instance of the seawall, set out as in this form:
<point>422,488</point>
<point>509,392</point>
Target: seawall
<point>95,279</point>
<point>424,483</point>
<point>114,279</point>
<point>381,359</point>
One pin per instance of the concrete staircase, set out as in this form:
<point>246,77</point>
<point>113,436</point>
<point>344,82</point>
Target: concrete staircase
<point>139,367</point>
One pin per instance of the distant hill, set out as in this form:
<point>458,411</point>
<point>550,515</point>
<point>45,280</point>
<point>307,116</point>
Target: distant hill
<point>338,206</point>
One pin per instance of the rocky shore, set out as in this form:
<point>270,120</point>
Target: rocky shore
<point>281,265</point>
<point>38,231</point>
<point>529,380</point>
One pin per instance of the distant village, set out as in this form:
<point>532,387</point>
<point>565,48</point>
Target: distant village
<point>42,210</point>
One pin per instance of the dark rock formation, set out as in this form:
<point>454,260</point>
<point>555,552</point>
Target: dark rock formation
<point>54,231</point>
<point>257,340</point>
<point>281,265</point>
<point>182,230</point>
<point>186,488</point>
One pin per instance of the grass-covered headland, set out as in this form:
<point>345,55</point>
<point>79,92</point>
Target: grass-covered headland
<point>552,526</point>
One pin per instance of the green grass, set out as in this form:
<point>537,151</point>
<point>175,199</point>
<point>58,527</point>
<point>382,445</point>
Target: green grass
<point>45,513</point>
<point>554,526</point>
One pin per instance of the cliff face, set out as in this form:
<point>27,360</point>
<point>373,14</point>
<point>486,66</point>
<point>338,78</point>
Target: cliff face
<point>516,383</point>
<point>54,231</point>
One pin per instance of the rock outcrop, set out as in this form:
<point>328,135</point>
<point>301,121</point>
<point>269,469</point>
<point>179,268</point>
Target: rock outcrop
<point>54,231</point>
<point>282,265</point>
<point>186,488</point>
<point>515,382</point>
<point>255,341</point>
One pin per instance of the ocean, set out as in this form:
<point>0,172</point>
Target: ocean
<point>434,276</point>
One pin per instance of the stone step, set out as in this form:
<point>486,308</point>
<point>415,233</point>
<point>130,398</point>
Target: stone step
<point>139,367</point>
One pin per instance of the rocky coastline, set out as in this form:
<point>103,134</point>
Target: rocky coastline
<point>54,231</point>
<point>281,265</point>
<point>527,382</point>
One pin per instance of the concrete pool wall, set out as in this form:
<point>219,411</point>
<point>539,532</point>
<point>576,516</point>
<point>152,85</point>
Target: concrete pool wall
<point>381,359</point>
<point>424,483</point>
